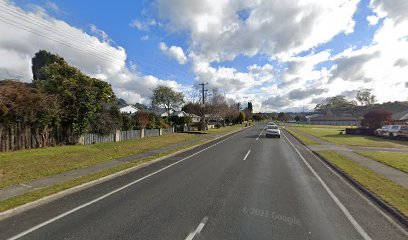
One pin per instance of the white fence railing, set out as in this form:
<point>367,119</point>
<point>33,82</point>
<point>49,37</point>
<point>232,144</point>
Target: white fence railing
<point>92,138</point>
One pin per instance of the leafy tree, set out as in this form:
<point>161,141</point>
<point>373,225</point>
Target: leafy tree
<point>79,96</point>
<point>258,117</point>
<point>141,119</point>
<point>297,118</point>
<point>365,97</point>
<point>250,106</point>
<point>41,59</point>
<point>282,117</point>
<point>241,117</point>
<point>126,121</point>
<point>376,118</point>
<point>336,104</point>
<point>106,121</point>
<point>167,98</point>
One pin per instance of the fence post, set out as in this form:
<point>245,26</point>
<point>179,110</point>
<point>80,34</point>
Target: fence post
<point>81,140</point>
<point>142,133</point>
<point>117,136</point>
<point>160,131</point>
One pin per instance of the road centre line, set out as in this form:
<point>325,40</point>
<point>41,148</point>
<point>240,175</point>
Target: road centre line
<point>198,229</point>
<point>331,194</point>
<point>260,134</point>
<point>38,226</point>
<point>247,154</point>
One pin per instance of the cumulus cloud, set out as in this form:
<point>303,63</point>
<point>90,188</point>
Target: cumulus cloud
<point>372,20</point>
<point>277,102</point>
<point>24,33</point>
<point>306,93</point>
<point>174,52</point>
<point>401,62</point>
<point>351,68</point>
<point>143,25</point>
<point>275,28</point>
<point>396,10</point>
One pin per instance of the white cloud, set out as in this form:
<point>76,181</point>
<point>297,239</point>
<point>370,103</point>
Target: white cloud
<point>174,52</point>
<point>275,28</point>
<point>372,20</point>
<point>144,25</point>
<point>24,33</point>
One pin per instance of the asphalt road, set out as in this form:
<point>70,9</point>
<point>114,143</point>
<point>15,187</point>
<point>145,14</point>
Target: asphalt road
<point>244,186</point>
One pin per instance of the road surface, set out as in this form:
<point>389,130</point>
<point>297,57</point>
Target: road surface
<point>243,186</point>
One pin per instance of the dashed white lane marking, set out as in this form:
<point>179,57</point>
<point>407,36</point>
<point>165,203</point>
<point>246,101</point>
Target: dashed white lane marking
<point>198,229</point>
<point>247,154</point>
<point>110,193</point>
<point>260,134</point>
<point>331,194</point>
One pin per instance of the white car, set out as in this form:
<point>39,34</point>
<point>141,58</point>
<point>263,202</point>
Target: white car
<point>271,124</point>
<point>272,131</point>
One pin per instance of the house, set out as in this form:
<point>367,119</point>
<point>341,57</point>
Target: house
<point>194,118</point>
<point>179,114</point>
<point>333,120</point>
<point>129,109</point>
<point>161,112</point>
<point>400,117</point>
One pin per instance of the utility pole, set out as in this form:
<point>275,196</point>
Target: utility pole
<point>203,91</point>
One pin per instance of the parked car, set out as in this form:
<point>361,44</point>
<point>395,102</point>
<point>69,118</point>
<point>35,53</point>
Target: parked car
<point>398,131</point>
<point>383,131</point>
<point>272,131</point>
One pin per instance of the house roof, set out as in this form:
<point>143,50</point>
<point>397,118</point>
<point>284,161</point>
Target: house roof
<point>400,116</point>
<point>334,118</point>
<point>129,108</point>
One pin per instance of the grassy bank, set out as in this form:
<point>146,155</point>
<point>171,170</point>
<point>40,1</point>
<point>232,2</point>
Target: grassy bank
<point>393,159</point>
<point>303,138</point>
<point>26,165</point>
<point>390,192</point>
<point>332,134</point>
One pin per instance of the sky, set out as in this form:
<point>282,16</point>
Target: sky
<point>279,55</point>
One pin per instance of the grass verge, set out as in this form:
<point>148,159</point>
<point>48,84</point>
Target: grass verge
<point>390,192</point>
<point>22,166</point>
<point>303,138</point>
<point>40,193</point>
<point>331,134</point>
<point>392,159</point>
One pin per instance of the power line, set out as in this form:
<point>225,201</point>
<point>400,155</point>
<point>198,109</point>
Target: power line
<point>38,23</point>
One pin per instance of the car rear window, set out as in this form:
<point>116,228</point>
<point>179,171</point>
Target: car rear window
<point>272,127</point>
<point>405,128</point>
<point>395,127</point>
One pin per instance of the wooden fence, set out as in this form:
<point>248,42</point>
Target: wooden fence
<point>19,136</point>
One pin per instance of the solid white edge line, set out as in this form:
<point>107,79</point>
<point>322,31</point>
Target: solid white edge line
<point>332,195</point>
<point>32,229</point>
<point>246,155</point>
<point>198,229</point>
<point>390,220</point>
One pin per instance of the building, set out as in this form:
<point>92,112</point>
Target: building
<point>129,109</point>
<point>161,112</point>
<point>401,117</point>
<point>334,120</point>
<point>194,118</point>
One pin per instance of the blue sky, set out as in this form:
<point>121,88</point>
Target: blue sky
<point>263,52</point>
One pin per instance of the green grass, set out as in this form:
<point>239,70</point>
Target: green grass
<point>40,193</point>
<point>331,134</point>
<point>303,138</point>
<point>393,159</point>
<point>390,192</point>
<point>26,165</point>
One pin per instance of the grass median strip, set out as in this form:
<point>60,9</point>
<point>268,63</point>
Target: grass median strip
<point>394,159</point>
<point>390,192</point>
<point>303,138</point>
<point>26,165</point>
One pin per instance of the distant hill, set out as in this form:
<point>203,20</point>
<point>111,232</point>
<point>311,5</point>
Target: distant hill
<point>393,107</point>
